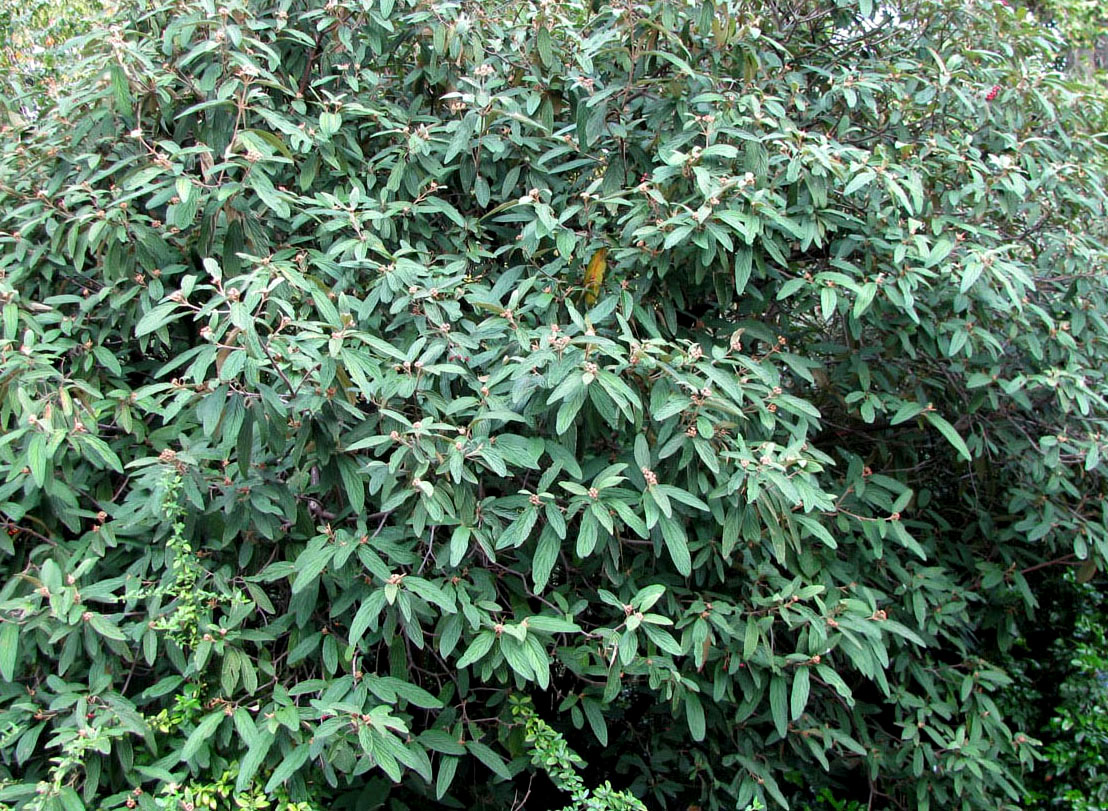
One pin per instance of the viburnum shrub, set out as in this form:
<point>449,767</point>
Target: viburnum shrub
<point>717,380</point>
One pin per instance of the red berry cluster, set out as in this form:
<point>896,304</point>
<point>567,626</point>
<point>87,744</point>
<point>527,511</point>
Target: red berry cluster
<point>992,94</point>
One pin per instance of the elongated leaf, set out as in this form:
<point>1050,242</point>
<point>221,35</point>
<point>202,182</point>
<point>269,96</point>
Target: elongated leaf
<point>546,555</point>
<point>199,736</point>
<point>493,761</point>
<point>800,690</point>
<point>677,544</point>
<point>779,704</point>
<point>481,645</point>
<point>310,564</point>
<point>448,766</point>
<point>157,318</point>
<point>416,695</point>
<point>595,717</point>
<point>905,413</point>
<point>431,592</point>
<point>253,760</point>
<point>662,639</point>
<point>951,434</point>
<point>9,649</point>
<point>287,767</point>
<point>101,454</point>
<point>553,625</point>
<point>441,741</point>
<point>694,715</point>
<point>367,613</point>
<point>647,596</point>
<point>594,276</point>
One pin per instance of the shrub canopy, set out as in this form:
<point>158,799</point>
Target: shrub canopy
<point>720,377</point>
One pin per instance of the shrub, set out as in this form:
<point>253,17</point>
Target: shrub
<point>719,377</point>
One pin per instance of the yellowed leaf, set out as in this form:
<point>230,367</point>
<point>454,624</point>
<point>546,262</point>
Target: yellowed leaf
<point>228,348</point>
<point>594,275</point>
<point>1087,571</point>
<point>347,386</point>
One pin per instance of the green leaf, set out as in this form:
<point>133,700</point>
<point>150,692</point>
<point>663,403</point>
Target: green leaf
<point>9,649</point>
<point>677,544</point>
<point>70,800</point>
<point>951,434</point>
<point>121,88</point>
<point>568,410</point>
<point>778,704</point>
<point>459,544</point>
<point>463,133</point>
<point>1092,457</point>
<point>288,766</point>
<point>244,444</point>
<point>441,741</point>
<point>493,761</point>
<point>367,613</point>
<point>677,494</point>
<point>587,535</point>
<point>790,287</point>
<point>448,766</point>
<point>835,680</point>
<point>102,455</point>
<point>329,124</point>
<point>751,639</point>
<point>415,694</point>
<point>518,531</point>
<point>816,529</point>
<point>864,299</point>
<point>546,555</point>
<point>743,267</point>
<point>252,761</point>
<point>38,459</point>
<point>430,592</point>
<point>352,484</point>
<point>597,723</point>
<point>544,46</point>
<point>273,199</point>
<point>199,736</point>
<point>310,564</point>
<point>800,690</point>
<point>902,630</point>
<point>552,625</point>
<point>661,638</point>
<point>157,318</point>
<point>516,656</point>
<point>694,715</point>
<point>520,451</point>
<point>857,182</point>
<point>481,645</point>
<point>906,412</point>
<point>106,629</point>
<point>647,596</point>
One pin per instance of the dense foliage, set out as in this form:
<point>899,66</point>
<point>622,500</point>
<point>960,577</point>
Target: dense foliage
<point>35,38</point>
<point>1078,754</point>
<point>398,394</point>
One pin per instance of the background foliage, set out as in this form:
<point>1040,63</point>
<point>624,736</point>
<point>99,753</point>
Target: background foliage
<point>395,391</point>
<point>36,50</point>
<point>1075,732</point>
